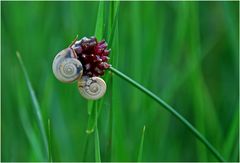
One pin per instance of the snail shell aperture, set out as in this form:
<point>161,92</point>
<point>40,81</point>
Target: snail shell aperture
<point>66,67</point>
<point>92,88</point>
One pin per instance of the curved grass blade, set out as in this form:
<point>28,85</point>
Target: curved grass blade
<point>140,151</point>
<point>26,123</point>
<point>36,106</point>
<point>195,132</point>
<point>30,133</point>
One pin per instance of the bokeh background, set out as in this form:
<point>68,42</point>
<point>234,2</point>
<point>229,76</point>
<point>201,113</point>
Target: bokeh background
<point>185,52</point>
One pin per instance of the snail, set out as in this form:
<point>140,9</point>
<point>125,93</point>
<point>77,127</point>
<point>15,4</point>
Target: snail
<point>84,60</point>
<point>66,67</point>
<point>91,88</point>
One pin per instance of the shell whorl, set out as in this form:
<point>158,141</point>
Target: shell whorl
<point>66,67</point>
<point>92,88</point>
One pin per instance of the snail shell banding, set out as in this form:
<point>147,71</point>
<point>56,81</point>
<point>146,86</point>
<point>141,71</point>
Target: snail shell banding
<point>92,88</point>
<point>66,67</point>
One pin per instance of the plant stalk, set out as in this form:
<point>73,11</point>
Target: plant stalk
<point>36,106</point>
<point>195,132</point>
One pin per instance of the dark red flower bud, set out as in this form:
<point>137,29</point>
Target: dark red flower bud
<point>106,52</point>
<point>93,55</point>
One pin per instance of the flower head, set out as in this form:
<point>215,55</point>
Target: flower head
<point>93,55</point>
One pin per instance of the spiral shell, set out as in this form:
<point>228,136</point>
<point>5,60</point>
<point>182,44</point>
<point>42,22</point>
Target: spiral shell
<point>66,67</point>
<point>92,88</point>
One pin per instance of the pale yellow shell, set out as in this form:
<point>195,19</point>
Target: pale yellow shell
<point>92,88</point>
<point>66,67</point>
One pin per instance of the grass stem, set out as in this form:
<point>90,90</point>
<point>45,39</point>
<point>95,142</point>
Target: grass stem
<point>97,143</point>
<point>140,151</point>
<point>195,132</point>
<point>114,25</point>
<point>36,106</point>
<point>49,142</point>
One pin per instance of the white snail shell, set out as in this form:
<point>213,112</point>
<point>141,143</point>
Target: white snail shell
<point>92,88</point>
<point>66,67</point>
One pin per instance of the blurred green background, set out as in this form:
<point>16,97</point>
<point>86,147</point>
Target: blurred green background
<point>185,52</point>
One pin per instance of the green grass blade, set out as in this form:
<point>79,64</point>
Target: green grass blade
<point>50,159</point>
<point>112,32</point>
<point>196,78</point>
<point>230,141</point>
<point>91,117</point>
<point>85,149</point>
<point>35,104</point>
<point>93,105</point>
<point>196,133</point>
<point>100,21</point>
<point>140,151</point>
<point>30,133</point>
<point>111,37</point>
<point>27,125</point>
<point>98,33</point>
<point>96,136</point>
<point>181,25</point>
<point>97,147</point>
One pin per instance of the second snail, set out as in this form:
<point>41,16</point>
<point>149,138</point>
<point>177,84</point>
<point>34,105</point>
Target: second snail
<point>85,61</point>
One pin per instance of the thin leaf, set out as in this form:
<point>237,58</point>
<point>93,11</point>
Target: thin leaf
<point>97,144</point>
<point>32,136</point>
<point>230,140</point>
<point>50,159</point>
<point>97,147</point>
<point>91,117</point>
<point>140,151</point>
<point>111,37</point>
<point>196,78</point>
<point>30,133</point>
<point>113,30</point>
<point>98,33</point>
<point>85,149</point>
<point>173,111</point>
<point>36,106</point>
<point>100,21</point>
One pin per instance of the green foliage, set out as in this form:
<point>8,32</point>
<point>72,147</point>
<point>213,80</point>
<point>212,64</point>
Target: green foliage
<point>36,107</point>
<point>173,111</point>
<point>185,52</point>
<point>140,151</point>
